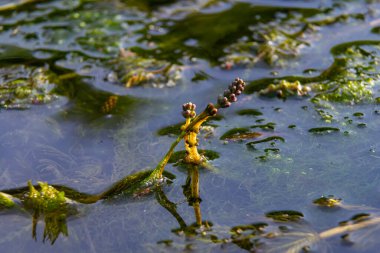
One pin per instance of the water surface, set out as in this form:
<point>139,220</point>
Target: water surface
<point>73,114</point>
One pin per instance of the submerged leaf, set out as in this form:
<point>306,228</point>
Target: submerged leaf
<point>249,112</point>
<point>286,215</point>
<point>22,87</point>
<point>236,134</point>
<point>136,185</point>
<point>268,139</point>
<point>6,201</point>
<point>322,130</point>
<point>137,70</point>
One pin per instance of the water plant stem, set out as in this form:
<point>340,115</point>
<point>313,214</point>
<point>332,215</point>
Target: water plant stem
<point>195,195</point>
<point>348,228</point>
<point>196,122</point>
<point>192,126</point>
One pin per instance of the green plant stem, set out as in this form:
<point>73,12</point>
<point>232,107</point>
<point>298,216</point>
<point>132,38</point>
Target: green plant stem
<point>348,228</point>
<point>157,172</point>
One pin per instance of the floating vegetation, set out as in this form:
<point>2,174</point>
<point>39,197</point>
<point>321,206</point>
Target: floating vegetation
<point>200,76</point>
<point>22,87</point>
<point>287,232</point>
<point>16,4</point>
<point>358,114</point>
<point>285,89</point>
<point>327,201</point>
<point>6,201</point>
<point>286,215</point>
<point>268,139</point>
<point>135,185</point>
<point>172,130</point>
<point>283,38</point>
<point>237,134</point>
<point>350,80</point>
<point>249,112</point>
<point>46,199</point>
<point>322,130</point>
<point>136,70</point>
<point>267,126</point>
<point>52,205</point>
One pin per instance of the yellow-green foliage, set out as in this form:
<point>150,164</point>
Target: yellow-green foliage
<point>21,87</point>
<point>285,89</point>
<point>47,199</point>
<point>6,201</point>
<point>50,203</point>
<point>352,92</point>
<point>55,224</point>
<point>135,70</point>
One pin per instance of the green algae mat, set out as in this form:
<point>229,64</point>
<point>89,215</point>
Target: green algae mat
<point>96,155</point>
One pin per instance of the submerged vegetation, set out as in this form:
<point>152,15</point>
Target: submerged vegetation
<point>22,87</point>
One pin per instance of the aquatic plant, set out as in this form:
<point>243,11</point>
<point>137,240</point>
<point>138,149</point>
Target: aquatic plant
<point>192,125</point>
<point>49,203</point>
<point>6,201</point>
<point>22,87</point>
<point>285,89</point>
<point>351,79</point>
<point>16,4</point>
<point>135,70</point>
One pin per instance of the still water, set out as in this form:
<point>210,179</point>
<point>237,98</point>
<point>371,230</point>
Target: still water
<point>92,91</point>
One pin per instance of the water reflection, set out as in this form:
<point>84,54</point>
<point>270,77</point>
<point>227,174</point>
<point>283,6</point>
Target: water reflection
<point>192,194</point>
<point>54,204</point>
<point>276,231</point>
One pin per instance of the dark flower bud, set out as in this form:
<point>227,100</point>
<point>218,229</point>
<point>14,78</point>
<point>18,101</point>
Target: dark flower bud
<point>232,98</point>
<point>227,93</point>
<point>188,114</point>
<point>227,104</point>
<point>189,106</point>
<point>222,100</point>
<point>238,92</point>
<point>188,110</point>
<point>211,110</point>
<point>240,87</point>
<point>232,88</point>
<point>239,81</point>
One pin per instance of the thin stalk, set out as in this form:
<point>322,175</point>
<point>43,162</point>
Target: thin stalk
<point>157,172</point>
<point>195,195</point>
<point>348,228</point>
<point>170,206</point>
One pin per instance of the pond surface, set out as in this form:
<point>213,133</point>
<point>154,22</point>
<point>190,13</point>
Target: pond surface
<point>92,91</point>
